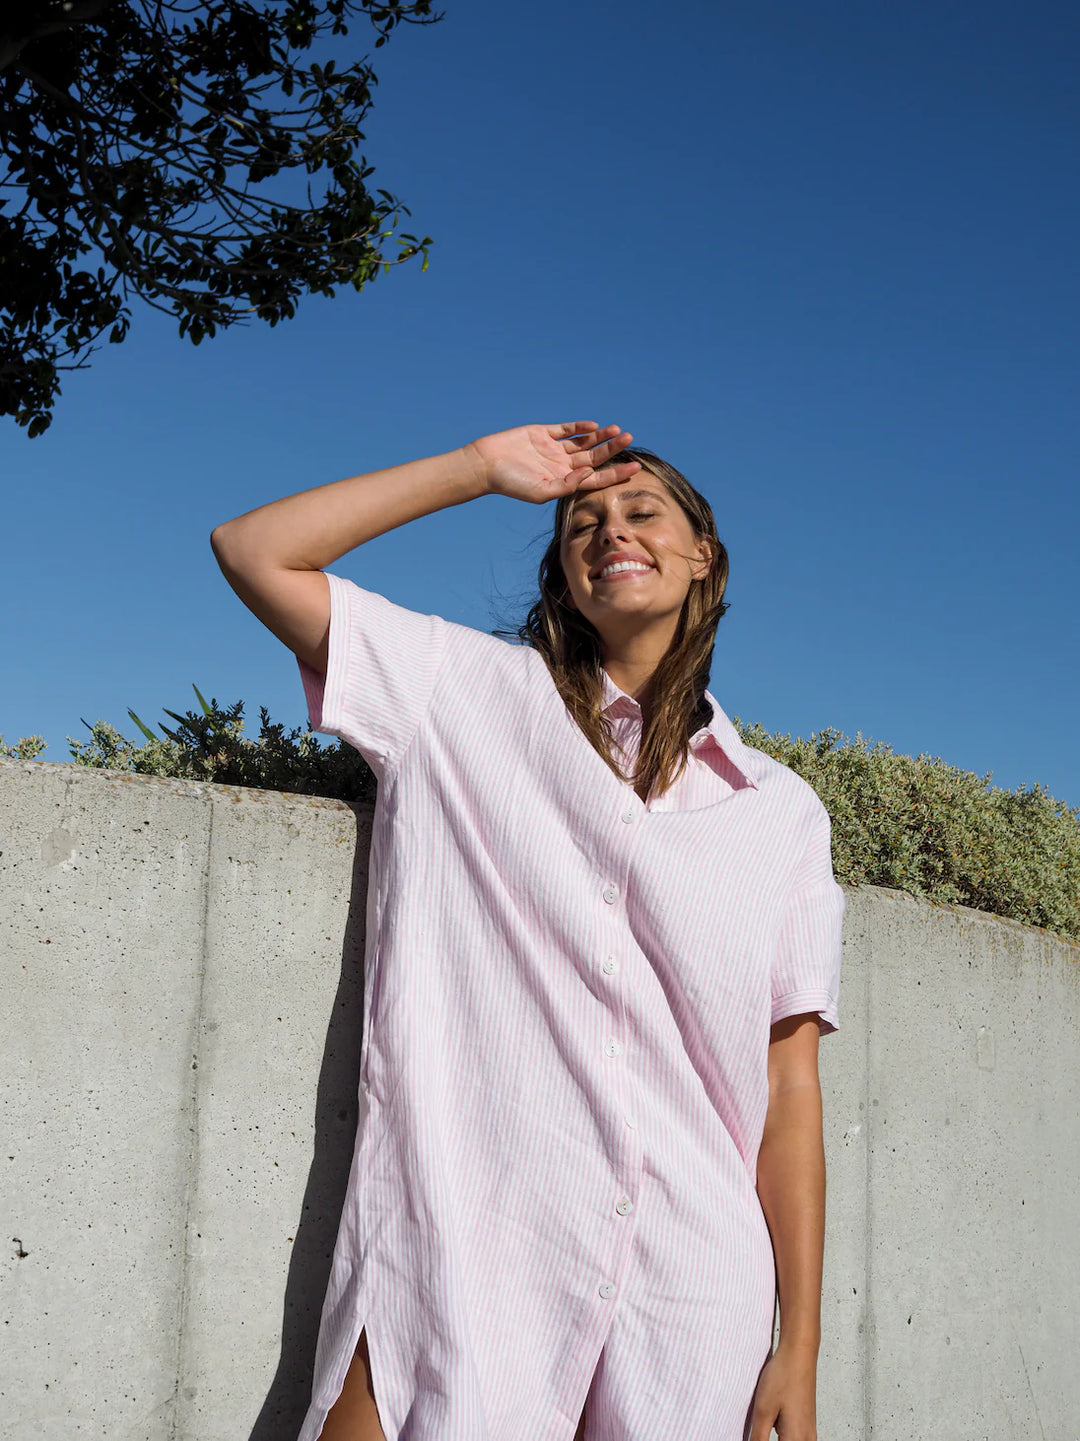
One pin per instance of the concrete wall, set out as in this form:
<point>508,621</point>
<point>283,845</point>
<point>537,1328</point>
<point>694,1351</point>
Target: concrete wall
<point>182,999</point>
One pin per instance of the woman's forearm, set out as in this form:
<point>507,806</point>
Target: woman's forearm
<point>791,1187</point>
<point>313,528</point>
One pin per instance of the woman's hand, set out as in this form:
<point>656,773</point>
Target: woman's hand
<point>786,1397</point>
<point>539,463</point>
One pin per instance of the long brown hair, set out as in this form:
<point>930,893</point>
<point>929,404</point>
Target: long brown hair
<point>571,645</point>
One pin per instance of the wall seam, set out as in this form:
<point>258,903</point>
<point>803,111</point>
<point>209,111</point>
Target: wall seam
<point>191,1183</point>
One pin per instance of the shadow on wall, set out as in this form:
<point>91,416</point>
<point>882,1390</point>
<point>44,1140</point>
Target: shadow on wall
<point>336,1117</point>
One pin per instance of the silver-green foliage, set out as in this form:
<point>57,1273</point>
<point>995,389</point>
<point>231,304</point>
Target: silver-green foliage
<point>938,832</point>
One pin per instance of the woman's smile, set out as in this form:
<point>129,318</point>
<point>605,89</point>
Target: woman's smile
<point>623,570</point>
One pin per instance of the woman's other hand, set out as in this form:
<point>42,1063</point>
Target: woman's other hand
<point>786,1396</point>
<point>539,463</point>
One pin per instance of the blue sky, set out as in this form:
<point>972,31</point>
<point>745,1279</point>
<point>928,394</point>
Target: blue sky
<point>821,257</point>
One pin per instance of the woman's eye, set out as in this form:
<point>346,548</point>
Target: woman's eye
<point>635,515</point>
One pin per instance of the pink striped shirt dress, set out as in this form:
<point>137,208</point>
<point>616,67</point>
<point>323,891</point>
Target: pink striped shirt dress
<point>563,1070</point>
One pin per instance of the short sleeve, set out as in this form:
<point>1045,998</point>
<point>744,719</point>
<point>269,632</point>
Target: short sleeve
<point>381,669</point>
<point>806,966</point>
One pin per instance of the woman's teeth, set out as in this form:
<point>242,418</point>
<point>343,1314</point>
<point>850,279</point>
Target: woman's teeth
<point>622,565</point>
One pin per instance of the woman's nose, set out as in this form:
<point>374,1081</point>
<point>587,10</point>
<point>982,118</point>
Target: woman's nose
<point>613,529</point>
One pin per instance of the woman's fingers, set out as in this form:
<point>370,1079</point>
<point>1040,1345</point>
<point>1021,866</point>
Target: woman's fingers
<point>597,453</point>
<point>588,447</point>
<point>584,436</point>
<point>576,427</point>
<point>610,475</point>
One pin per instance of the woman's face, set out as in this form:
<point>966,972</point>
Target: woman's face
<point>639,527</point>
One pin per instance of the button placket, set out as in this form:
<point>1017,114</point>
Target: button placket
<point>613,1048</point>
<point>610,967</point>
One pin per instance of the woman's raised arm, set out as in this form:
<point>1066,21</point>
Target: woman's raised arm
<point>314,528</point>
<point>269,555</point>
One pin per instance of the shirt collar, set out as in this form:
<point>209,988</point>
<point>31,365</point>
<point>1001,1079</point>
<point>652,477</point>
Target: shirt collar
<point>719,730</point>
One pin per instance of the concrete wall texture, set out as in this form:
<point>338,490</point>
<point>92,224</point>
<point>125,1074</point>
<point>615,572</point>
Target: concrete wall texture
<point>182,1000</point>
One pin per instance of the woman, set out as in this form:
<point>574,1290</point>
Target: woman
<point>603,938</point>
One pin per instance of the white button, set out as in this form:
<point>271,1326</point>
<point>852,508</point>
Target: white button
<point>611,965</point>
<point>611,894</point>
<point>624,1205</point>
<point>607,1290</point>
<point>628,816</point>
<point>631,1121</point>
<point>612,1047</point>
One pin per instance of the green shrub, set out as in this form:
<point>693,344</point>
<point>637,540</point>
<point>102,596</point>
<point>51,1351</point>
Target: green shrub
<point>940,833</point>
<point>212,747</point>
<point>916,825</point>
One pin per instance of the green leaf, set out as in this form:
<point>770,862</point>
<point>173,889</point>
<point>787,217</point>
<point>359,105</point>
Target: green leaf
<point>149,734</point>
